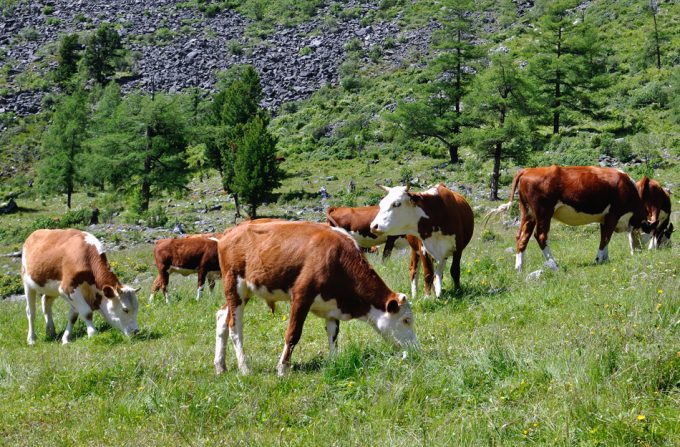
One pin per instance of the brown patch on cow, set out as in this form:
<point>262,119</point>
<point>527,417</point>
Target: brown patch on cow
<point>356,219</point>
<point>655,200</point>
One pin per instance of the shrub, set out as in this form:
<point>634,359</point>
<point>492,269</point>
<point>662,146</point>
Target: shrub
<point>10,285</point>
<point>353,45</point>
<point>235,47</point>
<point>48,9</point>
<point>212,10</point>
<point>351,83</point>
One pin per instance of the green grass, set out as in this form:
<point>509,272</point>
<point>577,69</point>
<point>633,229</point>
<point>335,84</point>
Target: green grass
<point>577,357</point>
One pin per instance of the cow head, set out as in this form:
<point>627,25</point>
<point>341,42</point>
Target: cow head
<point>664,239</point>
<point>395,322</point>
<point>399,212</point>
<point>119,307</point>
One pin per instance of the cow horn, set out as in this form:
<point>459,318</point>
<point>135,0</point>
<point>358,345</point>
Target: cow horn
<point>384,188</point>
<point>138,289</point>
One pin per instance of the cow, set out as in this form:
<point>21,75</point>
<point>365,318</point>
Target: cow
<point>357,222</point>
<point>441,218</point>
<point>574,195</point>
<point>72,264</point>
<point>319,269</point>
<point>186,256</point>
<point>657,202</point>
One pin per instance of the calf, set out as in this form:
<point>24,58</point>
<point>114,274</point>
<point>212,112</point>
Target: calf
<point>441,218</point>
<point>657,202</point>
<point>317,268</point>
<point>357,222</point>
<point>186,256</point>
<point>72,264</point>
<point>575,195</point>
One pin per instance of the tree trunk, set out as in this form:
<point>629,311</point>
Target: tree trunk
<point>558,85</point>
<point>253,211</point>
<point>238,208</point>
<point>146,185</point>
<point>69,192</point>
<point>453,153</point>
<point>493,194</point>
<point>656,35</point>
<point>453,148</point>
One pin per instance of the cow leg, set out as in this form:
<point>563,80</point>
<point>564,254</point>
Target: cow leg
<point>299,308</point>
<point>77,300</point>
<point>30,313</point>
<point>72,318</point>
<point>236,335</point>
<point>455,268</point>
<point>526,228</point>
<point>634,240</point>
<point>606,231</point>
<point>201,282</point>
<point>438,273</point>
<point>389,246</point>
<point>542,230</point>
<point>211,281</point>
<point>220,332</point>
<point>47,302</point>
<point>413,272</point>
<point>332,329</point>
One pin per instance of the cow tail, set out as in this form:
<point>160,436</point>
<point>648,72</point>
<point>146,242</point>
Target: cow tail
<point>506,206</point>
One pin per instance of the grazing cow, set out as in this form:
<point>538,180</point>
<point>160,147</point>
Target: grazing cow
<point>575,195</point>
<point>186,256</point>
<point>317,268</point>
<point>657,202</point>
<point>357,222</point>
<point>441,218</point>
<point>72,264</point>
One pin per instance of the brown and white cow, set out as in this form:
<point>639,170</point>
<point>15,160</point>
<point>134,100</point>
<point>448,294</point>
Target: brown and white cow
<point>72,264</point>
<point>357,222</point>
<point>319,269</point>
<point>192,254</point>
<point>575,195</point>
<point>441,218</point>
<point>657,202</point>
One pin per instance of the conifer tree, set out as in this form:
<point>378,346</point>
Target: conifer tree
<point>103,49</point>
<point>59,169</point>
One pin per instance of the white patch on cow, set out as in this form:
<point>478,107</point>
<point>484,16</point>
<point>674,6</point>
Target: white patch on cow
<point>414,286</point>
<point>182,271</point>
<point>199,292</point>
<point>52,287</point>
<point>396,328</point>
<point>346,234</point>
<point>328,309</point>
<point>90,239</point>
<point>331,331</point>
<point>519,261</point>
<point>440,246</point>
<point>367,242</point>
<point>602,255</point>
<point>397,215</point>
<point>549,260</point>
<point>236,335</point>
<point>568,215</point>
<point>431,192</point>
<point>121,310</point>
<point>624,223</point>
<point>270,296</point>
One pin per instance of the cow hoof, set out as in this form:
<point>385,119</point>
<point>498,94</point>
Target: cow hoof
<point>220,368</point>
<point>244,370</point>
<point>282,369</point>
<point>552,265</point>
<point>31,341</point>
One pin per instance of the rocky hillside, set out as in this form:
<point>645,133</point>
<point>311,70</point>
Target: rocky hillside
<point>175,46</point>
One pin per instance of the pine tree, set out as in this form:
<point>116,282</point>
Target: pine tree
<point>59,169</point>
<point>68,56</point>
<point>141,147</point>
<point>103,50</point>
<point>567,60</point>
<point>503,102</point>
<point>436,111</point>
<point>256,172</point>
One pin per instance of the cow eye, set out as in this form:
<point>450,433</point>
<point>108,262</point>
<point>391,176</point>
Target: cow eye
<point>407,321</point>
<point>396,204</point>
<point>126,310</point>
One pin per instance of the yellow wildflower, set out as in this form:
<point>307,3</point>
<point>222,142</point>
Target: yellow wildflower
<point>641,417</point>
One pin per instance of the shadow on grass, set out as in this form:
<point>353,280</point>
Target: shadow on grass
<point>310,366</point>
<point>466,294</point>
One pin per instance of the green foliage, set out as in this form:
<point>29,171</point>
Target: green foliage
<point>68,56</point>
<point>256,171</point>
<point>103,50</point>
<point>235,47</point>
<point>59,169</point>
<point>10,285</point>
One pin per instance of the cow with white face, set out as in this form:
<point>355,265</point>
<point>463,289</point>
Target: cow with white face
<point>441,218</point>
<point>72,264</point>
<point>316,268</point>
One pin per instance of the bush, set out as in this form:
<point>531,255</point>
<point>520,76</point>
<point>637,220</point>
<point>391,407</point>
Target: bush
<point>235,47</point>
<point>10,285</point>
<point>212,10</point>
<point>351,83</point>
<point>155,217</point>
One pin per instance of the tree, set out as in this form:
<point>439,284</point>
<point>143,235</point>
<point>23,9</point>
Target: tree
<point>236,102</point>
<point>256,171</point>
<point>503,102</point>
<point>62,146</point>
<point>103,50</point>
<point>436,111</point>
<point>566,60</point>
<point>141,148</point>
<point>68,55</point>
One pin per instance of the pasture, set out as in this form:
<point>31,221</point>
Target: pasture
<point>588,355</point>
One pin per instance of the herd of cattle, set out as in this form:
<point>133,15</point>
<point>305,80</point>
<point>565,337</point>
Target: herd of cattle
<point>320,268</point>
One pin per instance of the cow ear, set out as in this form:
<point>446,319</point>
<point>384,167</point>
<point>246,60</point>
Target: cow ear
<point>392,306</point>
<point>109,291</point>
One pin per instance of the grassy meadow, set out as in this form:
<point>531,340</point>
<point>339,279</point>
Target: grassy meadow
<point>589,355</point>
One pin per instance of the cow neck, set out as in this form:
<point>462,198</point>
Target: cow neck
<point>367,285</point>
<point>103,275</point>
